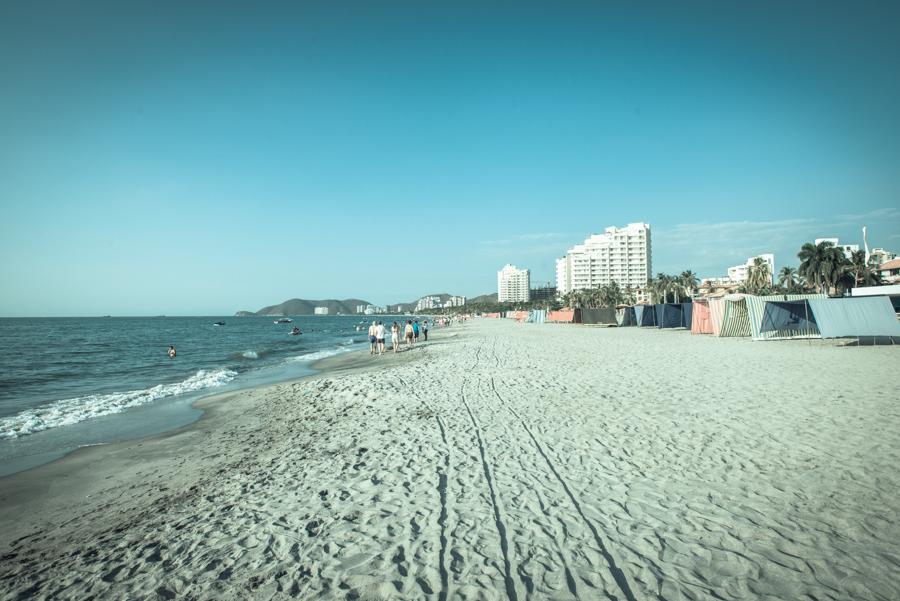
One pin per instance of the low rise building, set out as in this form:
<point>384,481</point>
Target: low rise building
<point>320,311</point>
<point>848,249</point>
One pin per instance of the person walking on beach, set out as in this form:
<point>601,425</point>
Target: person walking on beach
<point>395,336</point>
<point>416,331</point>
<point>171,351</point>
<point>372,339</point>
<point>379,337</point>
<point>408,333</point>
<point>425,329</point>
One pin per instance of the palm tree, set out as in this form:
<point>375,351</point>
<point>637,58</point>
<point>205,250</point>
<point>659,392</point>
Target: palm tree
<point>787,278</point>
<point>835,269</point>
<point>863,273</point>
<point>758,276</point>
<point>813,260</point>
<point>689,282</point>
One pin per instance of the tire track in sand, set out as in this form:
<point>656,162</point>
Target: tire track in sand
<point>617,573</point>
<point>442,495</point>
<point>511,593</point>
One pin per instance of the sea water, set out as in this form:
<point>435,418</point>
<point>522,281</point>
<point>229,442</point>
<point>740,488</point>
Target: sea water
<point>72,382</point>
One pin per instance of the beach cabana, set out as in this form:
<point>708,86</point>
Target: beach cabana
<point>701,319</point>
<point>605,316</point>
<point>716,314</point>
<point>519,315</point>
<point>626,317</point>
<point>796,329</point>
<point>788,315</point>
<point>562,316</point>
<point>537,316</point>
<point>854,317</point>
<point>735,317</point>
<point>673,315</point>
<point>646,316</point>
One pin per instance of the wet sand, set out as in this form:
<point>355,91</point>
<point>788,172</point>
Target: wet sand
<point>499,461</point>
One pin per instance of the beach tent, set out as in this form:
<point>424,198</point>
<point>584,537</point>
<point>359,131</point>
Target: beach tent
<point>605,315</point>
<point>646,316</point>
<point>537,316</point>
<point>854,317</point>
<point>493,315</point>
<point>701,319</point>
<point>562,316</point>
<point>716,314</point>
<point>756,306</point>
<point>788,315</point>
<point>519,315</point>
<point>673,315</point>
<point>735,317</point>
<point>626,317</point>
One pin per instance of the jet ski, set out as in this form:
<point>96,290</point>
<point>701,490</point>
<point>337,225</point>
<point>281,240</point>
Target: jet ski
<point>295,332</point>
<point>218,323</point>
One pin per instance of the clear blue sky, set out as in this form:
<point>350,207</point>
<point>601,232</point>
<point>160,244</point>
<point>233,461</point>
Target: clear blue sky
<point>200,158</point>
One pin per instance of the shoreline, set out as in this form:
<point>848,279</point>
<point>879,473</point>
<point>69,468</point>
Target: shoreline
<point>500,459</point>
<point>19,490</point>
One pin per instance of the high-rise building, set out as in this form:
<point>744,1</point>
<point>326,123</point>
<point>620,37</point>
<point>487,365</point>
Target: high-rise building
<point>513,285</point>
<point>740,273</point>
<point>620,255</point>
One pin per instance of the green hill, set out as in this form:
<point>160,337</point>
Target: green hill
<point>299,306</point>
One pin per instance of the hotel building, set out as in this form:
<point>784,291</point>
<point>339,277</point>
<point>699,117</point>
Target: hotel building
<point>513,285</point>
<point>740,273</point>
<point>620,255</point>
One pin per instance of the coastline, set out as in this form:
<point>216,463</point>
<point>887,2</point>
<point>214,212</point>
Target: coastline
<point>499,459</point>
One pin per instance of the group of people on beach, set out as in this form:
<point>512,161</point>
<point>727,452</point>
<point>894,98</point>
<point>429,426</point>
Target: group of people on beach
<point>410,332</point>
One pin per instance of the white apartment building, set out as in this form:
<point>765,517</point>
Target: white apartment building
<point>848,249</point>
<point>320,311</point>
<point>739,273</point>
<point>428,302</point>
<point>620,255</point>
<point>513,285</point>
<point>456,301</point>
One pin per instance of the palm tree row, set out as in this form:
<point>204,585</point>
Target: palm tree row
<point>609,295</point>
<point>665,286</point>
<point>825,268</point>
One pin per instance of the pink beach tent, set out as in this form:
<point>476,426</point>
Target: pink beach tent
<point>562,316</point>
<point>701,320</point>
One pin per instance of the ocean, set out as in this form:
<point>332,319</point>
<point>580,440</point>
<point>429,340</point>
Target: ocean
<point>71,382</point>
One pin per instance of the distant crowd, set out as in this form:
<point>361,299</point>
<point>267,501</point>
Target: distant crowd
<point>410,332</point>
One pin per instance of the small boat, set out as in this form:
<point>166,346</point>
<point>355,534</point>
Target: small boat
<point>218,323</point>
<point>284,320</point>
<point>295,332</point>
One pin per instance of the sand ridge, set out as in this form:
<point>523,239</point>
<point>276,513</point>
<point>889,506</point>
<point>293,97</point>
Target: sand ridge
<point>646,465</point>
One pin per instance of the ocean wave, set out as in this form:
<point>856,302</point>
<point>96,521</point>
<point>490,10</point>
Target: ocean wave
<point>320,354</point>
<point>250,355</point>
<point>72,411</point>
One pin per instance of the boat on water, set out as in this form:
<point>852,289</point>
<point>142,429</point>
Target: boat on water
<point>295,332</point>
<point>284,320</point>
<point>218,323</point>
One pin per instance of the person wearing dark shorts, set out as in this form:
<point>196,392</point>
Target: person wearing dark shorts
<point>416,330</point>
<point>425,330</point>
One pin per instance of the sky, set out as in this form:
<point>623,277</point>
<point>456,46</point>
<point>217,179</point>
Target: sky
<point>206,157</point>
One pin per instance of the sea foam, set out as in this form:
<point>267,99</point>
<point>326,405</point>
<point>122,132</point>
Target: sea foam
<point>72,411</point>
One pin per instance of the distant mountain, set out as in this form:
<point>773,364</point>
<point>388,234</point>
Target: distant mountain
<point>484,298</point>
<point>244,314</point>
<point>299,306</point>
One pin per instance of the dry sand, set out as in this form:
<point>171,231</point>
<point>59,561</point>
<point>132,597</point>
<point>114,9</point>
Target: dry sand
<point>501,461</point>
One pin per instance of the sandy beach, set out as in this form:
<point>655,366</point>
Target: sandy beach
<point>499,461</point>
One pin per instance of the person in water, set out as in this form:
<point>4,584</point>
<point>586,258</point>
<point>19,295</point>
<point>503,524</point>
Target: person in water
<point>172,351</point>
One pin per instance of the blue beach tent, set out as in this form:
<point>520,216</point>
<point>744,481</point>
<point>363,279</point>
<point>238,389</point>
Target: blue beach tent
<point>673,315</point>
<point>794,315</point>
<point>646,315</point>
<point>855,316</point>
